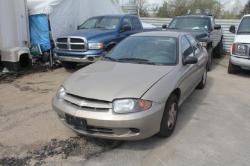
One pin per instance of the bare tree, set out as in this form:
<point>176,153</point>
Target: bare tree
<point>142,8</point>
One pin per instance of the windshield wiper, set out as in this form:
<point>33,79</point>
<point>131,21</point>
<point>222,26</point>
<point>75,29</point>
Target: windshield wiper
<point>110,58</point>
<point>137,60</point>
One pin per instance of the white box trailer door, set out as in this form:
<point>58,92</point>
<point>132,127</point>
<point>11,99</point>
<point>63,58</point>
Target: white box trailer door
<point>14,27</point>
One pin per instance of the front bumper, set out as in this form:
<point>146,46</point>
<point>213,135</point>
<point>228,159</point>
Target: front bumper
<point>135,126</point>
<point>242,62</point>
<point>80,57</point>
<point>87,59</point>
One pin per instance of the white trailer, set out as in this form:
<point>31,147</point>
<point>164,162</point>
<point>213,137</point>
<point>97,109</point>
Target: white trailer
<point>14,34</point>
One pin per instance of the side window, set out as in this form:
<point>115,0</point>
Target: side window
<point>212,23</point>
<point>136,24</point>
<point>127,21</point>
<point>195,45</point>
<point>186,48</point>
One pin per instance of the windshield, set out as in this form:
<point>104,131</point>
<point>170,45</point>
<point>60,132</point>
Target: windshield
<point>108,23</point>
<point>146,50</point>
<point>190,24</point>
<point>244,25</point>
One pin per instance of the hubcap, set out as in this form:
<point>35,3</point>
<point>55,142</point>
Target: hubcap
<point>172,116</point>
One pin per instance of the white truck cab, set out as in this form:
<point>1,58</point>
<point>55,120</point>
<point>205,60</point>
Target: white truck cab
<point>240,52</point>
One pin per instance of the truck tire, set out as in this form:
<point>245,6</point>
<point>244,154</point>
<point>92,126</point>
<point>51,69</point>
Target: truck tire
<point>69,65</point>
<point>169,117</point>
<point>233,69</point>
<point>218,51</point>
<point>210,59</point>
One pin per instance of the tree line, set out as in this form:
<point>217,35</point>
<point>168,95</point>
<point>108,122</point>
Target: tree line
<point>171,8</point>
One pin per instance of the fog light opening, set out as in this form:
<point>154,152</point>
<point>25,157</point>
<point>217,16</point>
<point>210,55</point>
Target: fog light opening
<point>91,58</point>
<point>134,130</point>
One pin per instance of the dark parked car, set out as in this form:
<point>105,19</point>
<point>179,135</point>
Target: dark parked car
<point>205,30</point>
<point>94,38</point>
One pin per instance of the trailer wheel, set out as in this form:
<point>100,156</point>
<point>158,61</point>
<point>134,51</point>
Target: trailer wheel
<point>25,61</point>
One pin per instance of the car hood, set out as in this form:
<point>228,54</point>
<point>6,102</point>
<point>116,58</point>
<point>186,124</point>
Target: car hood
<point>242,39</point>
<point>107,81</point>
<point>91,33</point>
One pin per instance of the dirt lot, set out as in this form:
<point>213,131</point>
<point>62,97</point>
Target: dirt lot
<point>213,128</point>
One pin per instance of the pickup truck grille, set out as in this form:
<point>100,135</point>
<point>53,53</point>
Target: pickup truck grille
<point>72,44</point>
<point>86,104</point>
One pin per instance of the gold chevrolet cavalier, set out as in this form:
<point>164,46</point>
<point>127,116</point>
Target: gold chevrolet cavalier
<point>135,91</point>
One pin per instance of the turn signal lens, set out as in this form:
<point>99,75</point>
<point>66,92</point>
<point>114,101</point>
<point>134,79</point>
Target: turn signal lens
<point>145,104</point>
<point>233,49</point>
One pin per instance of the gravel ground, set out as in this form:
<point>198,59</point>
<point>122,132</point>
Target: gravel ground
<point>32,134</point>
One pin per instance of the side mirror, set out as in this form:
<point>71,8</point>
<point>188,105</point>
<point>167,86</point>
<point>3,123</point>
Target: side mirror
<point>232,29</point>
<point>217,27</point>
<point>78,27</point>
<point>126,28</point>
<point>164,26</point>
<point>190,60</point>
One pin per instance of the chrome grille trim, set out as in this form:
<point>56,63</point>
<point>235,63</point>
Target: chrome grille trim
<point>87,104</point>
<point>70,42</point>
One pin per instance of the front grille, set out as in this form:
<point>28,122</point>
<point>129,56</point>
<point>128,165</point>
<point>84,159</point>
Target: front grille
<point>86,104</point>
<point>72,44</point>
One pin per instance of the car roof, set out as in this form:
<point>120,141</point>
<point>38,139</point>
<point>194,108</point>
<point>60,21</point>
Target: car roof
<point>162,33</point>
<point>246,15</point>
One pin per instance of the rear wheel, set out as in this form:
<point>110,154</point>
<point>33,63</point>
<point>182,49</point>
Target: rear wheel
<point>169,117</point>
<point>219,49</point>
<point>233,69</point>
<point>69,65</point>
<point>203,82</point>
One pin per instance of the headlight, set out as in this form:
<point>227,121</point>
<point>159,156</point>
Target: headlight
<point>60,93</point>
<point>123,106</point>
<point>96,46</point>
<point>239,49</point>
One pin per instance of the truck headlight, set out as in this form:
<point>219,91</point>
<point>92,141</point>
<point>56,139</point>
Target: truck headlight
<point>60,93</point>
<point>95,46</point>
<point>239,49</point>
<point>123,106</point>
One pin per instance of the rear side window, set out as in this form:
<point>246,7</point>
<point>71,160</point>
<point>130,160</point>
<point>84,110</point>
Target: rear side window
<point>127,21</point>
<point>186,48</point>
<point>136,24</point>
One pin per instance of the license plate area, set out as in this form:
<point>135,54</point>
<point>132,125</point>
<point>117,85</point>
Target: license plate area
<point>77,123</point>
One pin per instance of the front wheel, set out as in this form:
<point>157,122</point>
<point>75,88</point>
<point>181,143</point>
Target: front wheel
<point>233,69</point>
<point>203,82</point>
<point>210,59</point>
<point>169,117</point>
<point>69,65</point>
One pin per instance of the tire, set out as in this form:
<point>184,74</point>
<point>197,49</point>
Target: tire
<point>233,69</point>
<point>69,65</point>
<point>203,82</point>
<point>218,51</point>
<point>169,117</point>
<point>210,59</point>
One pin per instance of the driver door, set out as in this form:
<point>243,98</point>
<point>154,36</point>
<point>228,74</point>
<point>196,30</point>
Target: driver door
<point>123,34</point>
<point>188,72</point>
